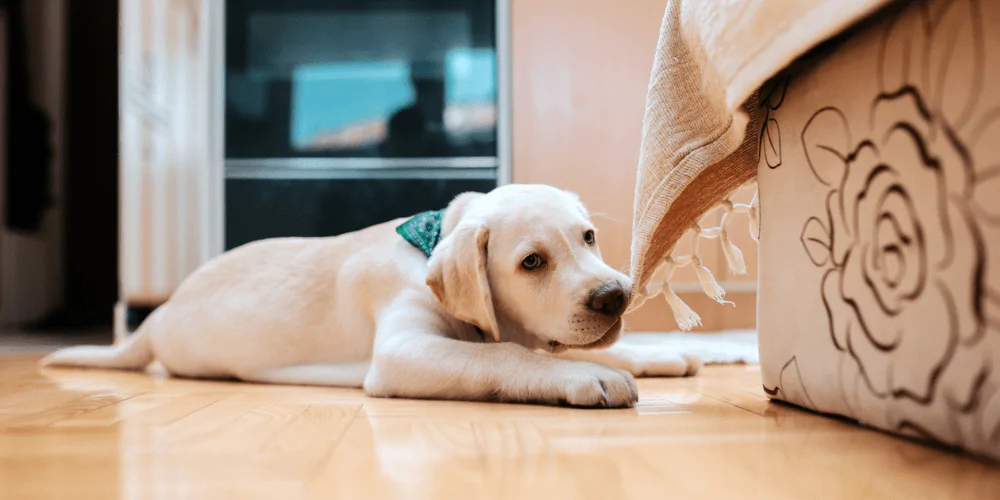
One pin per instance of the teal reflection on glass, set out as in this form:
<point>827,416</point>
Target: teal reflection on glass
<point>470,76</point>
<point>332,97</point>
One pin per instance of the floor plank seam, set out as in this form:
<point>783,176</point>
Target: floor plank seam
<point>734,405</point>
<point>335,445</point>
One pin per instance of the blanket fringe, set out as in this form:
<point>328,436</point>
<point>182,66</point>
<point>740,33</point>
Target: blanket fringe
<point>686,317</point>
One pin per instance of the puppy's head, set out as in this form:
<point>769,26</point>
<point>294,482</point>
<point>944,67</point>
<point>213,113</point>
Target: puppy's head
<point>524,261</point>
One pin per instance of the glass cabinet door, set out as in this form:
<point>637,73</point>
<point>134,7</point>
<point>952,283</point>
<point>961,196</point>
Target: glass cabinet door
<point>340,114</point>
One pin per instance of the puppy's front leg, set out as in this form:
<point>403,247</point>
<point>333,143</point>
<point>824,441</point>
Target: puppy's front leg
<point>418,363</point>
<point>423,365</point>
<point>641,361</point>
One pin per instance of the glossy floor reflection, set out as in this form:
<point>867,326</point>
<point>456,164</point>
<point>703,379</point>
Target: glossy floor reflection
<point>90,434</point>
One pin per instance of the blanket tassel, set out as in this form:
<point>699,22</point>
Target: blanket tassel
<point>686,317</point>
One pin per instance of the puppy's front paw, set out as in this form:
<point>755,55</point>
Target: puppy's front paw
<point>597,386</point>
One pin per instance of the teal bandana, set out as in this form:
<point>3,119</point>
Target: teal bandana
<point>422,230</point>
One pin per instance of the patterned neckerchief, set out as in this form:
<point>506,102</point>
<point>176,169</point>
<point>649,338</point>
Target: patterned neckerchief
<point>422,230</point>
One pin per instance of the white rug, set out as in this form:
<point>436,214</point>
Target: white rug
<point>730,347</point>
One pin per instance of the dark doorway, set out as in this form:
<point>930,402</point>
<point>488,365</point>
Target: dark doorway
<point>91,179</point>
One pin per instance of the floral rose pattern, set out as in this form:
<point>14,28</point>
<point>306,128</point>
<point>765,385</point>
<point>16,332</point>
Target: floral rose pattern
<point>908,275</point>
<point>902,266</point>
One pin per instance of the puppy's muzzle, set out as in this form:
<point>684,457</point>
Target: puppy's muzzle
<point>609,299</point>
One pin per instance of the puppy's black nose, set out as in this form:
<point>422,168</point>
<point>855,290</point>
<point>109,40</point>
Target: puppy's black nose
<point>609,299</point>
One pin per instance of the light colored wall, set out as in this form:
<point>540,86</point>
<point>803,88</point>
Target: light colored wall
<point>580,69</point>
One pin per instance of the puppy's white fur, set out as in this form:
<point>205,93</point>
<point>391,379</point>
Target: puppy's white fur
<point>368,309</point>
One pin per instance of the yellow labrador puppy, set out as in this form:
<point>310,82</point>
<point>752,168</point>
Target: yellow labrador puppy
<point>478,302</point>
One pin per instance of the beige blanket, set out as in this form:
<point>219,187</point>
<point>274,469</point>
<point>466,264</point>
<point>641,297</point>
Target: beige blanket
<point>701,128</point>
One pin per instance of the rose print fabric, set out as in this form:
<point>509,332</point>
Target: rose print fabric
<point>880,241</point>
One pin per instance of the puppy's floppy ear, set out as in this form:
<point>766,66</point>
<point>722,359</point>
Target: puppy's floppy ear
<point>579,204</point>
<point>456,273</point>
<point>456,209</point>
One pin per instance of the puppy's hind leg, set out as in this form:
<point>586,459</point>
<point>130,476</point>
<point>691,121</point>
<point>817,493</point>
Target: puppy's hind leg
<point>327,375</point>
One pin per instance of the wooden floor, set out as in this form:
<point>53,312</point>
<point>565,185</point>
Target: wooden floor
<point>68,434</point>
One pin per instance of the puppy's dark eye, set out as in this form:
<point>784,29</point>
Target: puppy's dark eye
<point>532,262</point>
<point>589,237</point>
